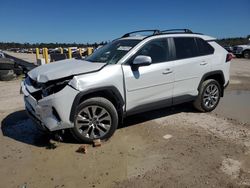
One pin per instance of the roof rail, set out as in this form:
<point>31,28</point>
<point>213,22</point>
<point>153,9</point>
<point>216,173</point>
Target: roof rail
<point>154,31</point>
<point>176,31</point>
<point>158,32</point>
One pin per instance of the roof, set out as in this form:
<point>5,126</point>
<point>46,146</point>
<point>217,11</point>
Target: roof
<point>170,33</point>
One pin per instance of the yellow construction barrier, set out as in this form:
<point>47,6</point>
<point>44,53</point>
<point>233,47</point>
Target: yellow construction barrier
<point>61,50</point>
<point>70,53</point>
<point>37,53</point>
<point>80,51</point>
<point>46,55</point>
<point>90,50</point>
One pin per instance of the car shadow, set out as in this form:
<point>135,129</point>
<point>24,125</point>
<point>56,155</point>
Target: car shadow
<point>154,114</point>
<point>20,127</point>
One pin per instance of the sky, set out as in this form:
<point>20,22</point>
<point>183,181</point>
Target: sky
<point>80,21</point>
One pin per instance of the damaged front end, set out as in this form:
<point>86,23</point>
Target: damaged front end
<point>49,104</point>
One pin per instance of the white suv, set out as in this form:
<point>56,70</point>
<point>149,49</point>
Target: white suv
<point>132,74</point>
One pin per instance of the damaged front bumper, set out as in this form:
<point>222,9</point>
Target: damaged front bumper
<point>52,112</point>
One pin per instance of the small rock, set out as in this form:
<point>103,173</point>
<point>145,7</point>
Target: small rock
<point>82,149</point>
<point>97,143</point>
<point>167,136</point>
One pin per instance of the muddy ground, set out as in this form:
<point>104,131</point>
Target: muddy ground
<point>171,147</point>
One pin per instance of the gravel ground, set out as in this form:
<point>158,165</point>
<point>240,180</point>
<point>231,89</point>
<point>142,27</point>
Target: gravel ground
<point>170,147</point>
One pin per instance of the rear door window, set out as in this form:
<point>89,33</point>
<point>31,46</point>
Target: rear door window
<point>185,47</point>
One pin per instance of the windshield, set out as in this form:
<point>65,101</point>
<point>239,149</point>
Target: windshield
<point>112,52</point>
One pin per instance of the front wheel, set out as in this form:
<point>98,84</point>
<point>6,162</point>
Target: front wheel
<point>209,96</point>
<point>96,118</point>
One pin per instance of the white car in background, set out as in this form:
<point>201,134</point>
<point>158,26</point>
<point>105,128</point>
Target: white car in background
<point>2,54</point>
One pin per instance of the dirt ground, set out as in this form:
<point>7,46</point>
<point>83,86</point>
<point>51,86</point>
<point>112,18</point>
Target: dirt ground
<point>171,147</point>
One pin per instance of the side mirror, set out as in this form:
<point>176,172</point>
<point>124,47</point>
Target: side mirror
<point>142,60</point>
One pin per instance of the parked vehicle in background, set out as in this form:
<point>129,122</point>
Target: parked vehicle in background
<point>2,54</point>
<point>132,74</point>
<point>242,51</point>
<point>228,48</point>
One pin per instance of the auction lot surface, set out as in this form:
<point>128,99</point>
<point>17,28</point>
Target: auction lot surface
<point>171,147</point>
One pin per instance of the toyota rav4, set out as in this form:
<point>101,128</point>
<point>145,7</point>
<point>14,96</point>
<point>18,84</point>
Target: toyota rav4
<point>131,74</point>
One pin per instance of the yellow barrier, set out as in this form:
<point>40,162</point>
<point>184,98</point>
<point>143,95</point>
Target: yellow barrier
<point>61,50</point>
<point>70,53</point>
<point>80,51</point>
<point>90,50</point>
<point>43,52</point>
<point>37,53</point>
<point>46,55</point>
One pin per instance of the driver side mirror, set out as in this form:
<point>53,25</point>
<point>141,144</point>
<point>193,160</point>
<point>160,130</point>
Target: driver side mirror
<point>142,60</point>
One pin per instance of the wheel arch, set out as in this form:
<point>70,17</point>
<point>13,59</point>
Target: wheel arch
<point>110,92</point>
<point>246,50</point>
<point>216,75</point>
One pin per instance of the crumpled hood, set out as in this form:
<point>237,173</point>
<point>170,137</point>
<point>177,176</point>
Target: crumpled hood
<point>61,69</point>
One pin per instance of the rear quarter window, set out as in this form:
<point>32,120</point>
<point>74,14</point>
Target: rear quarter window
<point>203,47</point>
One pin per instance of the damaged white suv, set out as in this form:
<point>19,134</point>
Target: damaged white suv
<point>132,74</point>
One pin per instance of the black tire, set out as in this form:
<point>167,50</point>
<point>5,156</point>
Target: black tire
<point>7,60</point>
<point>246,54</point>
<point>201,103</point>
<point>18,70</point>
<point>6,66</point>
<point>100,102</point>
<point>7,75</point>
<point>5,72</point>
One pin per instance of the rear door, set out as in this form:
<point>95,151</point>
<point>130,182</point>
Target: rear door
<point>191,63</point>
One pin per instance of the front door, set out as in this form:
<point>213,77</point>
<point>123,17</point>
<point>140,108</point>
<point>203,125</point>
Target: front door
<point>149,86</point>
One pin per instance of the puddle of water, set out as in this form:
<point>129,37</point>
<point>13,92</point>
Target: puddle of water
<point>235,105</point>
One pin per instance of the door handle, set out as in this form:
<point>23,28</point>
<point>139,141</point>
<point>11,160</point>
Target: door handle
<point>203,63</point>
<point>167,71</point>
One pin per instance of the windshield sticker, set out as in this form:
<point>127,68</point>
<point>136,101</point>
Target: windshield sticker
<point>124,48</point>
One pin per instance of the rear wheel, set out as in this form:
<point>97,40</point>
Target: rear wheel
<point>96,118</point>
<point>209,96</point>
<point>246,54</point>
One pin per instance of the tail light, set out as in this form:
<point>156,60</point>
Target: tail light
<point>229,57</point>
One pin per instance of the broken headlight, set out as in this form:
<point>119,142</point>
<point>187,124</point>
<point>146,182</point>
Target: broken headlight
<point>53,87</point>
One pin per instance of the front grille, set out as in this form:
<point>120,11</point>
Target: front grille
<point>37,95</point>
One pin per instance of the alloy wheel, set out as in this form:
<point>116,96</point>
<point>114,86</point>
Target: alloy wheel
<point>211,96</point>
<point>93,122</point>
